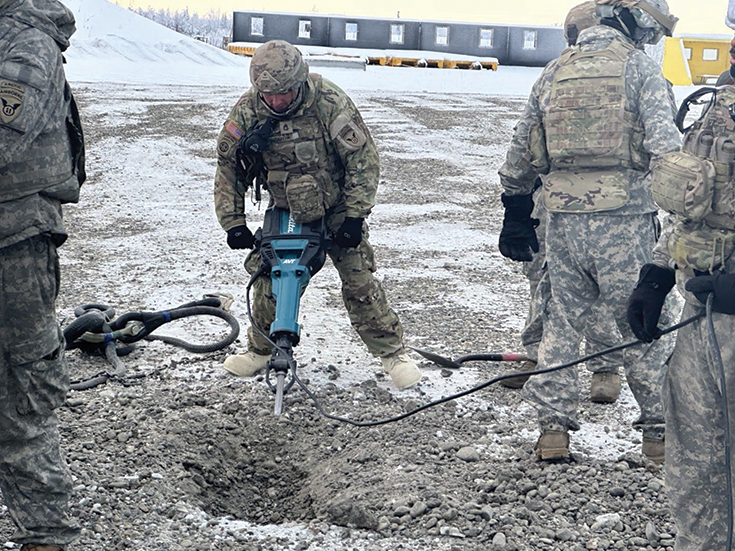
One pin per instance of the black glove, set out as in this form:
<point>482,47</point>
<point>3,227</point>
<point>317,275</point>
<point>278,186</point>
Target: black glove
<point>722,285</point>
<point>518,236</point>
<point>349,233</point>
<point>647,300</point>
<point>240,237</point>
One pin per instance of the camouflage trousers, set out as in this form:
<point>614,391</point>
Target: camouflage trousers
<point>593,262</point>
<point>34,478</point>
<point>695,428</point>
<point>597,334</point>
<point>362,294</point>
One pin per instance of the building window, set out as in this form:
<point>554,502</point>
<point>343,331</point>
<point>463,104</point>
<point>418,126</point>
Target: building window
<point>256,26</point>
<point>350,31</point>
<point>442,36</point>
<point>710,54</point>
<point>304,28</point>
<point>688,53</point>
<point>530,38</point>
<point>486,38</point>
<point>396,33</point>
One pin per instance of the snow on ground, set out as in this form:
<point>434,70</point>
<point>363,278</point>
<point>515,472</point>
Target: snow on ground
<point>124,64</point>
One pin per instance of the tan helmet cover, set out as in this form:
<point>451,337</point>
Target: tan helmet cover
<point>277,67</point>
<point>580,17</point>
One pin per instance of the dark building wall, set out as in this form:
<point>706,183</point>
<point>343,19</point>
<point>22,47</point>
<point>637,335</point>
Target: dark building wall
<point>549,44</point>
<point>511,45</point>
<point>280,25</point>
<point>373,33</point>
<point>465,38</point>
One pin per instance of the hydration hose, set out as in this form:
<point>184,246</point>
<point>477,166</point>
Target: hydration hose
<point>95,329</point>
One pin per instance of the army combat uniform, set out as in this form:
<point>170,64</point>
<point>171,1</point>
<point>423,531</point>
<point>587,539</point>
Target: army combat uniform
<point>40,168</point>
<point>697,185</point>
<point>594,118</point>
<point>320,159</point>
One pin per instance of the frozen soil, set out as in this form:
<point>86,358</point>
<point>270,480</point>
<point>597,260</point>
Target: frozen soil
<point>181,455</point>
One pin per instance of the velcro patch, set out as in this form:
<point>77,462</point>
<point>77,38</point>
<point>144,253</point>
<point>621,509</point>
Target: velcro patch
<point>234,130</point>
<point>12,95</point>
<point>352,137</point>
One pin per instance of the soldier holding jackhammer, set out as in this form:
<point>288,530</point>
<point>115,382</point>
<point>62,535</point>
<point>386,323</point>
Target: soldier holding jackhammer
<point>695,253</point>
<point>601,329</point>
<point>594,119</point>
<point>41,167</point>
<point>303,139</point>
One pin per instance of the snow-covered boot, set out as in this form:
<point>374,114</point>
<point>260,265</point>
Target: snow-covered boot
<point>402,369</point>
<point>246,365</point>
<point>605,388</point>
<point>654,450</point>
<point>552,444</point>
<point>518,382</point>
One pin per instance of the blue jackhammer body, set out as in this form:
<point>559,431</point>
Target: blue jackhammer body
<point>292,253</point>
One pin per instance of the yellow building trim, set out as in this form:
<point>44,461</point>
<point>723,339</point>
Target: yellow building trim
<point>707,58</point>
<point>676,67</point>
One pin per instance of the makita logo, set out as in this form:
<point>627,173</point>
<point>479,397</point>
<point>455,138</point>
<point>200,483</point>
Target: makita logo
<point>291,224</point>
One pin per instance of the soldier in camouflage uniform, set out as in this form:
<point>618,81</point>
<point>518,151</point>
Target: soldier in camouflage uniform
<point>41,167</point>
<point>695,253</point>
<point>317,158</point>
<point>594,119</point>
<point>601,331</point>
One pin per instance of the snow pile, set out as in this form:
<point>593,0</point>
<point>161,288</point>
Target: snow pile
<point>116,44</point>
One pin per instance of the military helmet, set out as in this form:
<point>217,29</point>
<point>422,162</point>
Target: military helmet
<point>277,67</point>
<point>580,17</point>
<point>652,17</point>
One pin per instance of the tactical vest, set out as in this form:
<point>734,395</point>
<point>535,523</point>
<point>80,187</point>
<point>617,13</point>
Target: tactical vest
<point>590,135</point>
<point>304,171</point>
<point>50,163</point>
<point>698,185</point>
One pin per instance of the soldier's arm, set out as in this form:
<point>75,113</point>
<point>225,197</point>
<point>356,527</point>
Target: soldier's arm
<point>29,95</point>
<point>527,157</point>
<point>655,108</point>
<point>358,154</point>
<point>229,193</point>
<point>661,256</point>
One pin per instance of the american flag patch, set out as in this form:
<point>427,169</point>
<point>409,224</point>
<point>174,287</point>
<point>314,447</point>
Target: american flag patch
<point>234,130</point>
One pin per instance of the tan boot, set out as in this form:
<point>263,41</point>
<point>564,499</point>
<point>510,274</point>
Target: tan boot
<point>518,382</point>
<point>246,365</point>
<point>402,369</point>
<point>552,444</point>
<point>605,388</point>
<point>654,450</point>
<point>40,547</point>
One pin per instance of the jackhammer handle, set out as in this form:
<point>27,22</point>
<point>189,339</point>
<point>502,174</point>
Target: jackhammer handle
<point>492,358</point>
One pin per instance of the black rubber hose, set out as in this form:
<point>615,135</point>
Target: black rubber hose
<point>180,313</point>
<point>89,321</point>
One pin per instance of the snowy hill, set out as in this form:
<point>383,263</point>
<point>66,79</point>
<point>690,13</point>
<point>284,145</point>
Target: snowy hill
<point>113,43</point>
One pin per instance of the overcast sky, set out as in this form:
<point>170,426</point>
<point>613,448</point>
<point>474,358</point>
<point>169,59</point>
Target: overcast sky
<point>701,16</point>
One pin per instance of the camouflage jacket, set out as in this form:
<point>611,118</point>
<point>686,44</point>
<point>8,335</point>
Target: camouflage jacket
<point>325,137</point>
<point>648,96</point>
<point>36,163</point>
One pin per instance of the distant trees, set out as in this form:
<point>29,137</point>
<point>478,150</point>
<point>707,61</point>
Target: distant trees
<point>214,27</point>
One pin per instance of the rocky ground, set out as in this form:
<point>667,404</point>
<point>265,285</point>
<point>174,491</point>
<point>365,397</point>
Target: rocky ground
<point>180,455</point>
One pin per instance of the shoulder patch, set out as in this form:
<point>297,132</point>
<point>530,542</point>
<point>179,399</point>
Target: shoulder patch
<point>346,132</point>
<point>12,95</point>
<point>234,130</point>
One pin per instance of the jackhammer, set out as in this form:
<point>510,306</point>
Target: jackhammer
<point>291,254</point>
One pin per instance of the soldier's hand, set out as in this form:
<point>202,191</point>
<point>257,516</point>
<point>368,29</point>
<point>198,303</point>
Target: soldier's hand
<point>349,234</point>
<point>723,287</point>
<point>240,237</point>
<point>518,239</point>
<point>647,301</point>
